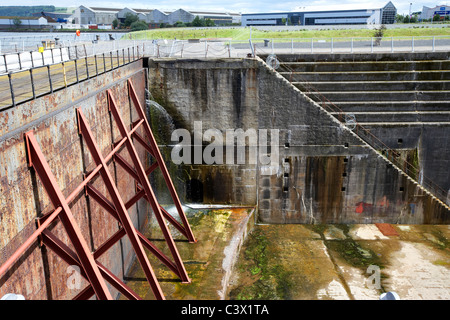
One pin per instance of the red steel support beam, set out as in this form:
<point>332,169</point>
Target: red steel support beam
<point>144,182</point>
<point>94,272</point>
<point>70,257</point>
<point>122,213</point>
<point>87,262</point>
<point>103,202</point>
<point>154,150</point>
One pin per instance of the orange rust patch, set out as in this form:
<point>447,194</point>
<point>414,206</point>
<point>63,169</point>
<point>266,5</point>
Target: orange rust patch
<point>386,229</point>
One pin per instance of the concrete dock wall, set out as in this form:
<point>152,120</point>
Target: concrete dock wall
<point>403,99</point>
<point>39,273</point>
<point>325,173</point>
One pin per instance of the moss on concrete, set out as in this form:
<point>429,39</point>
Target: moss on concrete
<point>267,280</point>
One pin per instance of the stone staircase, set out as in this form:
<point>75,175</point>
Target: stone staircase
<point>378,92</point>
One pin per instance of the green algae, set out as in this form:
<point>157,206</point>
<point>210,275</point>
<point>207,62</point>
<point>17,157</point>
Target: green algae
<point>268,280</point>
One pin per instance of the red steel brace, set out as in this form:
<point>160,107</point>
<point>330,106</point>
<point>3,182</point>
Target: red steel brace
<point>94,272</point>
<point>82,253</point>
<point>153,149</point>
<point>119,206</point>
<point>141,177</point>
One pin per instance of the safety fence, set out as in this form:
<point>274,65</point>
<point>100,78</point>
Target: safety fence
<point>30,42</point>
<point>45,72</point>
<point>240,48</point>
<point>353,45</point>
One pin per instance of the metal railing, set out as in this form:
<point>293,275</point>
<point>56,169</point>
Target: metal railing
<point>354,45</point>
<point>240,48</point>
<point>21,43</point>
<point>43,75</point>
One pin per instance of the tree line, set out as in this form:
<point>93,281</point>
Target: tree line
<point>23,11</point>
<point>414,18</point>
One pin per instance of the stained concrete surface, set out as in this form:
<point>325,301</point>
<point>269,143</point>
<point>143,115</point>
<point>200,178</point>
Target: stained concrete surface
<point>302,262</point>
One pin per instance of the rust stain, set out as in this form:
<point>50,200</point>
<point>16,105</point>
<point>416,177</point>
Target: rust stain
<point>362,207</point>
<point>323,183</point>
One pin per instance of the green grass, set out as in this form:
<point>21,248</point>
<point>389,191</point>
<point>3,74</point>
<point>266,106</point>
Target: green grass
<point>241,33</point>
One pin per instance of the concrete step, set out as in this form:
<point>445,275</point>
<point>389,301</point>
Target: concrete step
<point>427,75</point>
<point>376,117</point>
<point>344,66</point>
<point>374,85</point>
<point>421,187</point>
<point>438,95</point>
<point>391,106</point>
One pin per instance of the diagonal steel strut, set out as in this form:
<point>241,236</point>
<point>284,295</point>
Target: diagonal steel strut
<point>144,182</point>
<point>153,149</point>
<point>121,210</point>
<point>37,160</point>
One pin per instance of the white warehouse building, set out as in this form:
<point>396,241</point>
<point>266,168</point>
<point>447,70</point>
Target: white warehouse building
<point>324,16</point>
<point>429,13</point>
<point>96,15</point>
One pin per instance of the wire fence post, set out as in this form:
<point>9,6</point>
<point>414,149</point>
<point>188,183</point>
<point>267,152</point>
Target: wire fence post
<point>251,47</point>
<point>87,67</point>
<point>96,66</point>
<point>6,65</point>
<point>433,48</point>
<point>13,100</point>
<point>76,70</point>
<point>292,46</point>
<point>49,78</point>
<point>171,49</point>
<point>20,62</point>
<point>312,45</point>
<point>64,74</point>
<point>32,83</point>
<point>392,44</point>
<point>331,45</point>
<point>371,45</point>
<point>412,44</point>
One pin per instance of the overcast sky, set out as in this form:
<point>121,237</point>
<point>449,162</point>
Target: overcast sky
<point>243,6</point>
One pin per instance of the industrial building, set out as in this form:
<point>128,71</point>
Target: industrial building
<point>25,22</point>
<point>324,16</point>
<point>95,15</point>
<point>429,13</point>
